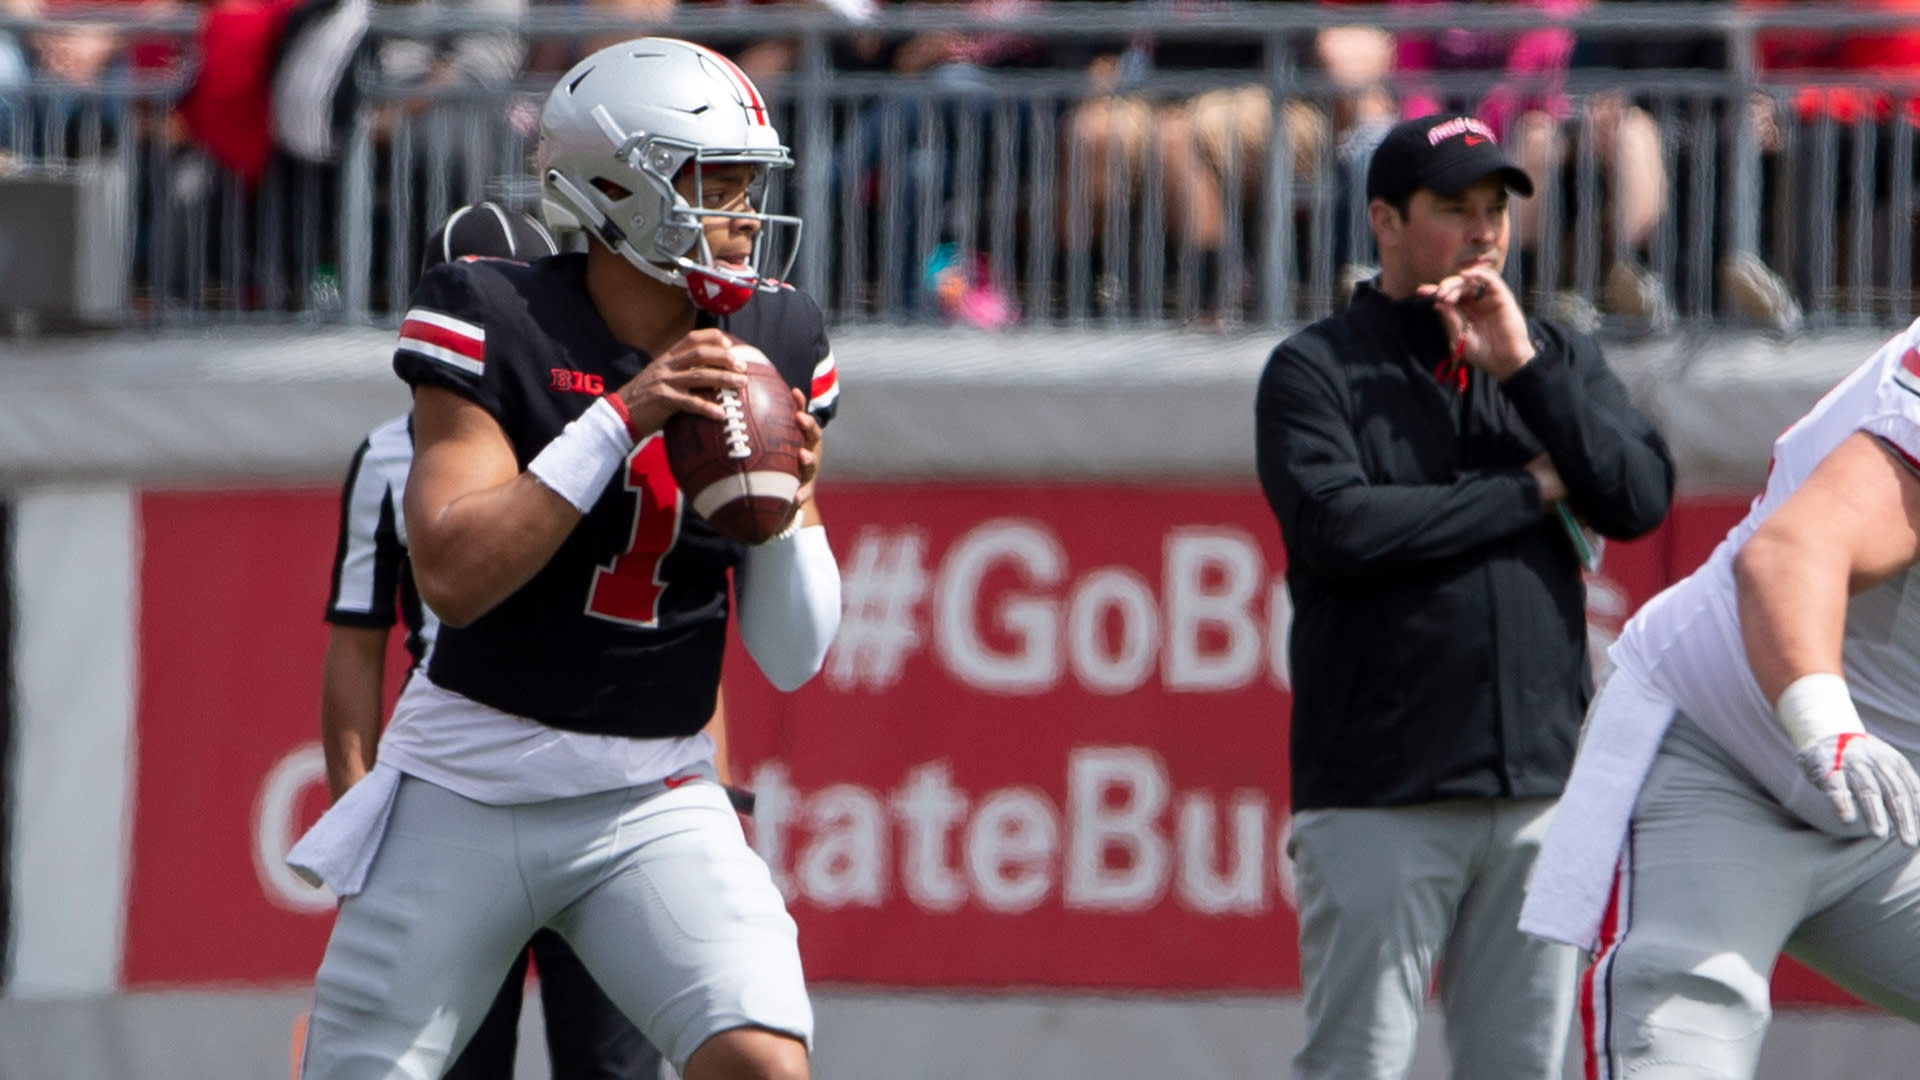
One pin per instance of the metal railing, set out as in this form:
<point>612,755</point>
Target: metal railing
<point>961,194</point>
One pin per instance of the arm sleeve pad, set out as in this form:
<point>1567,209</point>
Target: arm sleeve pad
<point>789,605</point>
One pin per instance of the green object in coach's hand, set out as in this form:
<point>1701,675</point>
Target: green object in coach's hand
<point>1587,544</point>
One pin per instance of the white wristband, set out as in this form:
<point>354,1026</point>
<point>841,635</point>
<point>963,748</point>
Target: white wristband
<point>1814,707</point>
<point>581,459</point>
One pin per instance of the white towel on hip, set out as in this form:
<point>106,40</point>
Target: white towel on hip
<point>1573,877</point>
<point>338,851</point>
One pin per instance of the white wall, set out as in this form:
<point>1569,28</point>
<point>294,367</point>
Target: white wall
<point>74,573</point>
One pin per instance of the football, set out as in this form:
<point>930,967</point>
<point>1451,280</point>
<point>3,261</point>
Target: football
<point>741,474</point>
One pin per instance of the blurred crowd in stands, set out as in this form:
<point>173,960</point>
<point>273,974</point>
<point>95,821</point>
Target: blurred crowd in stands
<point>1148,155</point>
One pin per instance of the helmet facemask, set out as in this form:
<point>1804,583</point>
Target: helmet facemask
<point>638,188</point>
<point>714,285</point>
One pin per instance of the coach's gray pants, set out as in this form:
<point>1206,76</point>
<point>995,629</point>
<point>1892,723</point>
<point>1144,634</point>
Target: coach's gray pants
<point>1385,896</point>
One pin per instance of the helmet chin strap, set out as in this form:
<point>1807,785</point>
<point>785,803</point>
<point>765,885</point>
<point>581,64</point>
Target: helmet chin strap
<point>711,290</point>
<point>717,294</point>
<point>715,289</point>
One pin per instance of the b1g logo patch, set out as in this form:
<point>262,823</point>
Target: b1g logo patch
<point>579,382</point>
<point>1908,373</point>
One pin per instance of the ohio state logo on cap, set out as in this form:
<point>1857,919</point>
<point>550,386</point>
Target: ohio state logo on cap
<point>1471,127</point>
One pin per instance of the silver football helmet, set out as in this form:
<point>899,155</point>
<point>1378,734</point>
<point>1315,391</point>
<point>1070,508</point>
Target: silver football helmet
<point>623,124</point>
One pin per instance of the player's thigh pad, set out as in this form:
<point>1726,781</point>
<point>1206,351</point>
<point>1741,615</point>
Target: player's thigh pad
<point>488,1054</point>
<point>1714,879</point>
<point>416,958</point>
<point>686,930</point>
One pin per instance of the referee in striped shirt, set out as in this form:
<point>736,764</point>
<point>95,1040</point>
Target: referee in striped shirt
<point>587,1036</point>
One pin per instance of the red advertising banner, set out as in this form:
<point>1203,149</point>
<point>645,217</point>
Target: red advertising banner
<point>228,770</point>
<point>1049,749</point>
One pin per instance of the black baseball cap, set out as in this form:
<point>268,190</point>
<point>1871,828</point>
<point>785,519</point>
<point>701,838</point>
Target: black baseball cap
<point>487,229</point>
<point>1447,153</point>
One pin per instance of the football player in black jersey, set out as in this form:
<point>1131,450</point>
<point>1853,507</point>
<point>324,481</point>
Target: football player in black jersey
<point>549,768</point>
<point>588,1038</point>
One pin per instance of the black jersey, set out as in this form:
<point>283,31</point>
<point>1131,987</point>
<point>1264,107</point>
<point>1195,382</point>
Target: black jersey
<point>622,632</point>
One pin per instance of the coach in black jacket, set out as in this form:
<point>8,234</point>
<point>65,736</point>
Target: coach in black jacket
<point>1414,449</point>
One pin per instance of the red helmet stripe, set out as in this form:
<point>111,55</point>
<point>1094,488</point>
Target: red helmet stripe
<point>756,108</point>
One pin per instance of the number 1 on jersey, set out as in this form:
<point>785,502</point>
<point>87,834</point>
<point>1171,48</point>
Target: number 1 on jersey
<point>628,589</point>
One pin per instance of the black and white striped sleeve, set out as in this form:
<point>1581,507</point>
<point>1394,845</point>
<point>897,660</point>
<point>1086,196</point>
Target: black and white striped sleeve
<point>370,557</point>
<point>443,337</point>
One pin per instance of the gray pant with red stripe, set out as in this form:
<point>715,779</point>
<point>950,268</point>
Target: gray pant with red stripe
<point>1385,896</point>
<point>1716,881</point>
<point>672,913</point>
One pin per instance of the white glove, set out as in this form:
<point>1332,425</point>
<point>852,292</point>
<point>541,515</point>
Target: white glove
<point>1859,771</point>
<point>1856,770</point>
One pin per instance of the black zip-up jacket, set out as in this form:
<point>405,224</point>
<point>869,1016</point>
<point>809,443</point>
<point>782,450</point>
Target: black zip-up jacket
<point>1439,642</point>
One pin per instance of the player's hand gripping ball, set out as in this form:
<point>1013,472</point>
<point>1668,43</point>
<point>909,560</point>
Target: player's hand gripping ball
<point>741,473</point>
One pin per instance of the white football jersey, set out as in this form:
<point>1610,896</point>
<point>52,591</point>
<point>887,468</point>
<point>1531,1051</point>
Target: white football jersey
<point>1685,643</point>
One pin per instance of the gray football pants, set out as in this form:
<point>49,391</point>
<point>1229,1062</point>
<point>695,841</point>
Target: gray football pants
<point>1717,880</point>
<point>1388,895</point>
<point>659,894</point>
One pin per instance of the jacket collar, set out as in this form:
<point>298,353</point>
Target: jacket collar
<point>1413,326</point>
